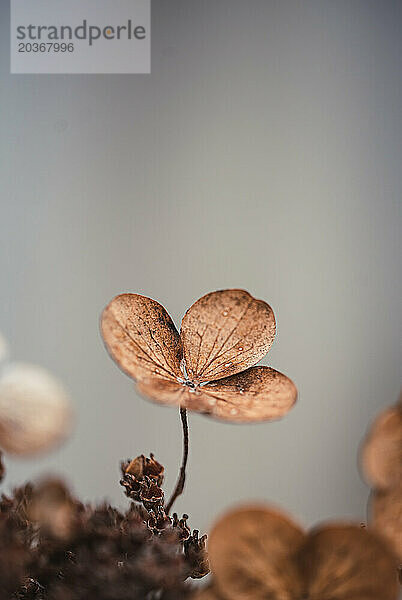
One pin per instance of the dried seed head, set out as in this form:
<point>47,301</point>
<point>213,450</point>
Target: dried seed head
<point>142,478</point>
<point>34,410</point>
<point>151,495</point>
<point>142,466</point>
<point>181,527</point>
<point>158,522</point>
<point>196,554</point>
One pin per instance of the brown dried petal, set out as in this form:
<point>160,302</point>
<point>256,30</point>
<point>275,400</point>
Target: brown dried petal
<point>382,451</point>
<point>225,332</point>
<point>386,510</point>
<point>342,562</point>
<point>258,394</point>
<point>136,467</point>
<point>53,508</point>
<point>162,391</point>
<point>250,552</point>
<point>141,337</point>
<point>142,466</point>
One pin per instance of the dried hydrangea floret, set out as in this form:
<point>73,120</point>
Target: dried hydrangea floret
<point>257,552</point>
<point>208,367</point>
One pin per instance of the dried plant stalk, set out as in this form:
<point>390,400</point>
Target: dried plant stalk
<point>178,490</point>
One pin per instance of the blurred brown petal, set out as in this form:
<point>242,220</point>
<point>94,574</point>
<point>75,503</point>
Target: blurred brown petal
<point>382,451</point>
<point>258,394</point>
<point>347,562</point>
<point>250,552</point>
<point>225,332</point>
<point>53,509</point>
<point>386,512</point>
<point>35,413</point>
<point>141,337</point>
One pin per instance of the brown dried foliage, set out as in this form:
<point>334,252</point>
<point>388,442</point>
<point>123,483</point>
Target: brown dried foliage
<point>382,451</point>
<point>208,367</point>
<point>382,466</point>
<point>259,553</point>
<point>141,479</point>
<point>52,547</point>
<point>386,514</point>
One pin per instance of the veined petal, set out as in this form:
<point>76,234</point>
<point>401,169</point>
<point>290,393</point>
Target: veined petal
<point>258,394</point>
<point>250,551</point>
<point>141,337</point>
<point>162,391</point>
<point>342,562</point>
<point>225,332</point>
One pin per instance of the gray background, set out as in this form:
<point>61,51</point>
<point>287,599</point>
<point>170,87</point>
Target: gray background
<point>263,152</point>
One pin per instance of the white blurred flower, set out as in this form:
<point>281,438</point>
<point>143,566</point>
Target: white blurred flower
<point>3,348</point>
<point>35,413</point>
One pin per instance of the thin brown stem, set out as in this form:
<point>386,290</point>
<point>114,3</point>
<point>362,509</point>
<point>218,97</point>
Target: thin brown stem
<point>182,474</point>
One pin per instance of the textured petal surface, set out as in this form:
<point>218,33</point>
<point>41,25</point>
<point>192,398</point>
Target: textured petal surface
<point>141,337</point>
<point>347,562</point>
<point>163,391</point>
<point>382,451</point>
<point>250,551</point>
<point>386,510</point>
<point>225,332</point>
<point>258,394</point>
<point>35,413</point>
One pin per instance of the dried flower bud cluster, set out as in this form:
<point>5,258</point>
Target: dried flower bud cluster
<point>52,547</point>
<point>141,479</point>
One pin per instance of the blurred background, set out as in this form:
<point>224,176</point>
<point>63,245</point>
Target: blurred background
<point>263,152</point>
